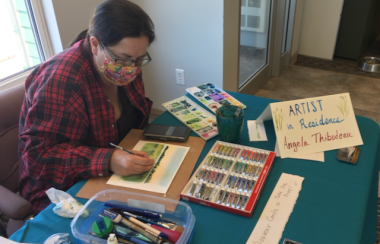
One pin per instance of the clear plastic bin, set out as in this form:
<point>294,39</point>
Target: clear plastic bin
<point>176,211</point>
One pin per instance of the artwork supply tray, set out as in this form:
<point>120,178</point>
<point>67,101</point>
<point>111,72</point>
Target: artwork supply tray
<point>213,96</point>
<point>199,120</point>
<point>175,211</point>
<point>230,178</point>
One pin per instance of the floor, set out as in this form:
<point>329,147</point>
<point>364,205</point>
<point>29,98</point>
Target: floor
<point>342,65</point>
<point>251,59</point>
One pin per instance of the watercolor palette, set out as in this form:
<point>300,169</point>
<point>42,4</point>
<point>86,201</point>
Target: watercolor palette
<point>230,178</point>
<point>199,120</point>
<point>213,97</point>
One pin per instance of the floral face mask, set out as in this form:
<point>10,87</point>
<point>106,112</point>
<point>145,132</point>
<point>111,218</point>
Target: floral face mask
<point>117,74</point>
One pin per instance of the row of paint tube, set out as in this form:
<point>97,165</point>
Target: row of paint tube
<point>228,197</point>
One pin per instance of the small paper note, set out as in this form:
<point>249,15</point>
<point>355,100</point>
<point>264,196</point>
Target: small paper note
<point>276,213</point>
<point>256,130</point>
<point>319,156</point>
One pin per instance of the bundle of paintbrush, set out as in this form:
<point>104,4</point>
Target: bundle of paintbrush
<point>148,224</point>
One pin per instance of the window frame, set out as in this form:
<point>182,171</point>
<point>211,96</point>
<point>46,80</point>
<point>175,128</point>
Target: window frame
<point>47,47</point>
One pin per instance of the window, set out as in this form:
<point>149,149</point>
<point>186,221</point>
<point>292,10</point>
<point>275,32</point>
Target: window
<point>20,45</point>
<point>254,15</point>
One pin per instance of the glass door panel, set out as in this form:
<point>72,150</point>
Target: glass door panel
<point>254,38</point>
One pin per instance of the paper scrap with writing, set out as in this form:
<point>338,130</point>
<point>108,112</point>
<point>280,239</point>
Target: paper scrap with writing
<point>256,130</point>
<point>276,213</point>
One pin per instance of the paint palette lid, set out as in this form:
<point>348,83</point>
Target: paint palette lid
<point>172,210</point>
<point>213,96</point>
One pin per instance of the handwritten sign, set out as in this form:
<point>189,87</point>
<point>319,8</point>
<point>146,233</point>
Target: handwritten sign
<point>276,213</point>
<point>313,124</point>
<point>320,156</point>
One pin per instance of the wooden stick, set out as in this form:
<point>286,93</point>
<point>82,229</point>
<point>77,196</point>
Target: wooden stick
<point>220,114</point>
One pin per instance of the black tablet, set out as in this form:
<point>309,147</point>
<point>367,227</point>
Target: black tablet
<point>167,132</point>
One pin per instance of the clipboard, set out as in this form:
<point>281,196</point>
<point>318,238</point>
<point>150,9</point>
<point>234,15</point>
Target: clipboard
<point>196,144</point>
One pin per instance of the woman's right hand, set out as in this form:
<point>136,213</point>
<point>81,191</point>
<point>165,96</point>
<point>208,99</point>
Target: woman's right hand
<point>124,164</point>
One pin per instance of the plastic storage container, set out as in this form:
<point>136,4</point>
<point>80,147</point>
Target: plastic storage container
<point>176,211</point>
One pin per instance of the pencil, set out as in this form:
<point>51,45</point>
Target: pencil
<point>119,147</point>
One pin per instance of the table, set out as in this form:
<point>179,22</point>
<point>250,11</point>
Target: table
<point>337,203</point>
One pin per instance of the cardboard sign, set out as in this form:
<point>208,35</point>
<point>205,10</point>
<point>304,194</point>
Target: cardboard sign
<point>313,124</point>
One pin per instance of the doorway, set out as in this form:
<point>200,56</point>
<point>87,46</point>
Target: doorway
<point>265,38</point>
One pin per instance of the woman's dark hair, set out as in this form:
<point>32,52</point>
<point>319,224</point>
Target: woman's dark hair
<point>116,19</point>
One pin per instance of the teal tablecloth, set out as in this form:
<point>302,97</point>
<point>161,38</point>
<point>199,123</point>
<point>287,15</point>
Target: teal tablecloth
<point>337,203</point>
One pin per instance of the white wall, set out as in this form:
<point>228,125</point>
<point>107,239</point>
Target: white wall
<point>67,18</point>
<point>52,26</point>
<point>319,28</point>
<point>189,37</point>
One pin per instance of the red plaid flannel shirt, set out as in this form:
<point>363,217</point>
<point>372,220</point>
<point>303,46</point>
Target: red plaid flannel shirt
<point>66,122</point>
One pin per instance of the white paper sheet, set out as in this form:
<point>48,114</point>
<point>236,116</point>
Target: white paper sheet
<point>319,156</point>
<point>256,130</point>
<point>277,211</point>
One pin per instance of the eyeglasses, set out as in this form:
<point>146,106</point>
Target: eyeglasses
<point>128,62</point>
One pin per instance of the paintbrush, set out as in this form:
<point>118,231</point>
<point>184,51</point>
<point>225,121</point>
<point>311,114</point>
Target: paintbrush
<point>220,114</point>
<point>119,147</point>
<point>155,217</point>
<point>237,112</point>
<point>172,235</point>
<point>120,211</point>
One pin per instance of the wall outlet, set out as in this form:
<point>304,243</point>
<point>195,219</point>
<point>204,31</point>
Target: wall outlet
<point>180,75</point>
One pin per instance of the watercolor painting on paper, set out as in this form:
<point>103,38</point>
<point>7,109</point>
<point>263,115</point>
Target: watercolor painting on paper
<point>168,159</point>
